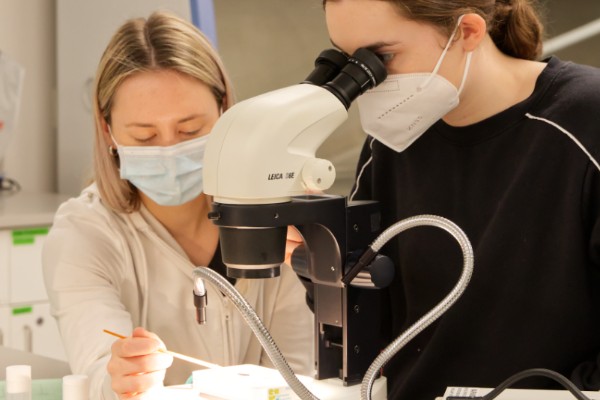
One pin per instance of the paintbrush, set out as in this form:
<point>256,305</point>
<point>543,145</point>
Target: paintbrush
<point>174,354</point>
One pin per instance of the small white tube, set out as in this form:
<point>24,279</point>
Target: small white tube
<point>75,387</point>
<point>18,382</point>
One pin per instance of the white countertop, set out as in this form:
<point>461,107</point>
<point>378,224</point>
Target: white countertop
<point>41,367</point>
<point>518,394</point>
<point>27,209</point>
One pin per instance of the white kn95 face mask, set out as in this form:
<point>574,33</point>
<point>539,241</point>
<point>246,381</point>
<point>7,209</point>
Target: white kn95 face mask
<point>404,106</point>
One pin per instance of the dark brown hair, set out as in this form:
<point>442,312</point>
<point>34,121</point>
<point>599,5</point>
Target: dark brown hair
<point>514,25</point>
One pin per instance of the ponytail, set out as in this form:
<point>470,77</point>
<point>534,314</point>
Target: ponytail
<point>516,29</point>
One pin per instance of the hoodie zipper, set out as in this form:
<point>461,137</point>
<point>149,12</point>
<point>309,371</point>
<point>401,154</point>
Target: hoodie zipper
<point>228,333</point>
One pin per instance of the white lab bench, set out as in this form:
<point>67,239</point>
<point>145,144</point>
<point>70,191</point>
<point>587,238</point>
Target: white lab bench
<point>517,394</point>
<point>25,320</point>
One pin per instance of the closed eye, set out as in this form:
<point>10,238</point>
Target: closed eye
<point>145,140</point>
<point>191,133</point>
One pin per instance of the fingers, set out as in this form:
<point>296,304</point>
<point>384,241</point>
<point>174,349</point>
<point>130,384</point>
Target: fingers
<point>294,239</point>
<point>136,364</point>
<point>140,343</point>
<point>143,333</point>
<point>135,386</point>
<point>153,394</point>
<point>122,366</point>
<point>293,234</point>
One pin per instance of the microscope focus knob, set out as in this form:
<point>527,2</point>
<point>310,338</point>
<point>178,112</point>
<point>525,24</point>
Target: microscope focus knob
<point>318,174</point>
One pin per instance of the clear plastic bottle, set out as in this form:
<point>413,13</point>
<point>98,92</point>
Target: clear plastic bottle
<point>75,387</point>
<point>18,382</point>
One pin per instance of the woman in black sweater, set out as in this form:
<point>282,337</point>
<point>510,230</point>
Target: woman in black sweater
<point>505,146</point>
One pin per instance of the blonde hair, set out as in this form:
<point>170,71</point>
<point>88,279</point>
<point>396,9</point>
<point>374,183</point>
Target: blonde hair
<point>514,25</point>
<point>162,41</point>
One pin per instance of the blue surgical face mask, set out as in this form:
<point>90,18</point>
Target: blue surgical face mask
<point>169,175</point>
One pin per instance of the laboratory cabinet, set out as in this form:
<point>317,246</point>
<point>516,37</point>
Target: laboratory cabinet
<point>4,313</point>
<point>25,319</point>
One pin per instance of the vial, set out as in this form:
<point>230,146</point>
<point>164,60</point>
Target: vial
<point>75,387</point>
<point>18,382</point>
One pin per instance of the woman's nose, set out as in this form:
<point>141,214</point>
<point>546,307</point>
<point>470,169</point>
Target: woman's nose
<point>169,137</point>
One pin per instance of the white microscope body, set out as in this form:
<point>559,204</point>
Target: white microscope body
<point>255,157</point>
<point>259,166</point>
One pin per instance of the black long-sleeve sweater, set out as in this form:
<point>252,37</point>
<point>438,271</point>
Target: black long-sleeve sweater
<point>525,188</point>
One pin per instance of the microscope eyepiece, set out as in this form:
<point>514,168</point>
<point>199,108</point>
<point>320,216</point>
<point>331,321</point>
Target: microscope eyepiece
<point>363,71</point>
<point>327,65</point>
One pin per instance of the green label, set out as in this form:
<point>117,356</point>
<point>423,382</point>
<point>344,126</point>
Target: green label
<point>22,237</point>
<point>22,310</point>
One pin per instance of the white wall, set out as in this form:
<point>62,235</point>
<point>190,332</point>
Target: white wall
<point>27,32</point>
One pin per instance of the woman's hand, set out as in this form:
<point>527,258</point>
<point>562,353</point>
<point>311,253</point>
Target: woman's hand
<point>294,239</point>
<point>136,365</point>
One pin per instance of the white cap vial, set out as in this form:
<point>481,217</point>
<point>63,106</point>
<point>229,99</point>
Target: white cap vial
<point>75,387</point>
<point>18,382</point>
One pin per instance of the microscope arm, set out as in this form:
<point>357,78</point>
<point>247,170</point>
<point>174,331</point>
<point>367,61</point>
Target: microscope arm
<point>262,150</point>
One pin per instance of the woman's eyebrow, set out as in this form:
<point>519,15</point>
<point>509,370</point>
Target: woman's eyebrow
<point>191,117</point>
<point>372,47</point>
<point>148,125</point>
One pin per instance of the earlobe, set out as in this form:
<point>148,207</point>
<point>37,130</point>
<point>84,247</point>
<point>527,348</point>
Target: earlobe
<point>473,30</point>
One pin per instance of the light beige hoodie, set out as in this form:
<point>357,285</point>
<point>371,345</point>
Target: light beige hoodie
<point>105,270</point>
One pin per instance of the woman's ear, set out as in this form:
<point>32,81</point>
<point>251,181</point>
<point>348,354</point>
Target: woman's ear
<point>106,132</point>
<point>222,109</point>
<point>473,29</point>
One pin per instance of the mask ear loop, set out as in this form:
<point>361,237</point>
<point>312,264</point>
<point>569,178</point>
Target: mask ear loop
<point>111,150</point>
<point>464,77</point>
<point>441,59</point>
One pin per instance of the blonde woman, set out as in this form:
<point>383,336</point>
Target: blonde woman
<point>120,256</point>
